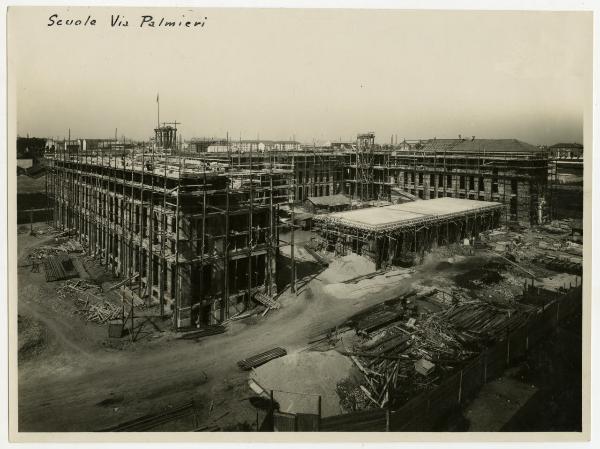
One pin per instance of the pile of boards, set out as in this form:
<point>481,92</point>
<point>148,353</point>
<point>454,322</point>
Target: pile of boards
<point>400,357</point>
<point>561,265</point>
<point>92,307</point>
<point>261,359</point>
<point>98,313</point>
<point>59,267</point>
<point>482,321</point>
<point>266,301</point>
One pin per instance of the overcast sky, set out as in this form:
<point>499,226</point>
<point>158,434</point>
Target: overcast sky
<point>312,74</point>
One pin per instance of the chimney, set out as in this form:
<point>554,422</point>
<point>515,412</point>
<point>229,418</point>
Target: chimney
<point>473,138</point>
<point>460,136</point>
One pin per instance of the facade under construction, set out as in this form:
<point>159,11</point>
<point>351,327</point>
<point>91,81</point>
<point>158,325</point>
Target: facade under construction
<point>198,234</point>
<point>499,170</point>
<point>508,171</point>
<point>401,233</point>
<point>198,238</point>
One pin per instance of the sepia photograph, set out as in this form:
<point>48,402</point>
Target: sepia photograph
<point>246,220</point>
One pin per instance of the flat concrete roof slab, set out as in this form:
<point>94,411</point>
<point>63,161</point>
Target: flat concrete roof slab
<point>375,218</point>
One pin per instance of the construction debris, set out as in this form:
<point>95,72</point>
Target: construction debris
<point>266,301</point>
<point>261,359</point>
<point>424,367</point>
<point>59,267</point>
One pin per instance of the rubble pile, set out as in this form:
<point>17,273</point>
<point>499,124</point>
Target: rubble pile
<point>92,307</point>
<point>399,358</point>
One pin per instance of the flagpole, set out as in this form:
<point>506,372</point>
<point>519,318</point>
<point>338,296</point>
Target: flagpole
<point>158,106</point>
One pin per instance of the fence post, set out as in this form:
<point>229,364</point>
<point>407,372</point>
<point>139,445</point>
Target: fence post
<point>272,413</point>
<point>507,347</point>
<point>557,311</point>
<point>319,412</point>
<point>387,419</point>
<point>460,387</point>
<point>485,368</point>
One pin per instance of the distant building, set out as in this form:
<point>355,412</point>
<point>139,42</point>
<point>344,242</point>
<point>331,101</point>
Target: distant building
<point>244,146</point>
<point>30,147</point>
<point>566,151</point>
<point>327,204</point>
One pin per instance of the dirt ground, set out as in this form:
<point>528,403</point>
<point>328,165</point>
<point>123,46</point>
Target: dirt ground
<point>73,378</point>
<point>71,383</point>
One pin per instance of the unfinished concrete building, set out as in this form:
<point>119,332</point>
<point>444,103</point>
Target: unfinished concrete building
<point>316,173</point>
<point>199,238</point>
<point>401,233</point>
<point>502,170</point>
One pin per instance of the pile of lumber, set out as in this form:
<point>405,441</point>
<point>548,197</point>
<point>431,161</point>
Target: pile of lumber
<point>400,358</point>
<point>482,321</point>
<point>98,313</point>
<point>80,285</point>
<point>70,246</point>
<point>377,320</point>
<point>92,307</point>
<point>148,422</point>
<point>362,277</point>
<point>561,265</point>
<point>266,301</point>
<point>59,267</point>
<point>261,359</point>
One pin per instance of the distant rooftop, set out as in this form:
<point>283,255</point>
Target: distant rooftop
<point>480,145</point>
<point>573,145</point>
<point>331,200</point>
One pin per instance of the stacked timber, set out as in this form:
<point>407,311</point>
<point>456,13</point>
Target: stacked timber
<point>266,301</point>
<point>400,358</point>
<point>59,267</point>
<point>261,359</point>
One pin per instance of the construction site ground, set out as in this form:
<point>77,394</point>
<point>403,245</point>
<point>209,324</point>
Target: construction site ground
<point>72,377</point>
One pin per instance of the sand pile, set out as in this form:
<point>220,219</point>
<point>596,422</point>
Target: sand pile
<point>309,373</point>
<point>300,253</point>
<point>347,267</point>
<point>391,279</point>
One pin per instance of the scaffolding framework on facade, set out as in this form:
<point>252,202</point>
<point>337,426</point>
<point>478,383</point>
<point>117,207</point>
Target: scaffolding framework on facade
<point>201,232</point>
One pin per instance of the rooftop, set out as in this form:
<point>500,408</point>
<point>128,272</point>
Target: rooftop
<point>377,219</point>
<point>331,200</point>
<point>567,145</point>
<point>480,145</point>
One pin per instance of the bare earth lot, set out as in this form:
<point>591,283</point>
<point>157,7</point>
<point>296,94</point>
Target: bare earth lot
<point>73,378</point>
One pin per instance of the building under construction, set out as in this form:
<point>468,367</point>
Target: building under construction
<point>199,233</point>
<point>507,171</point>
<point>198,237</point>
<point>500,170</point>
<point>401,233</point>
